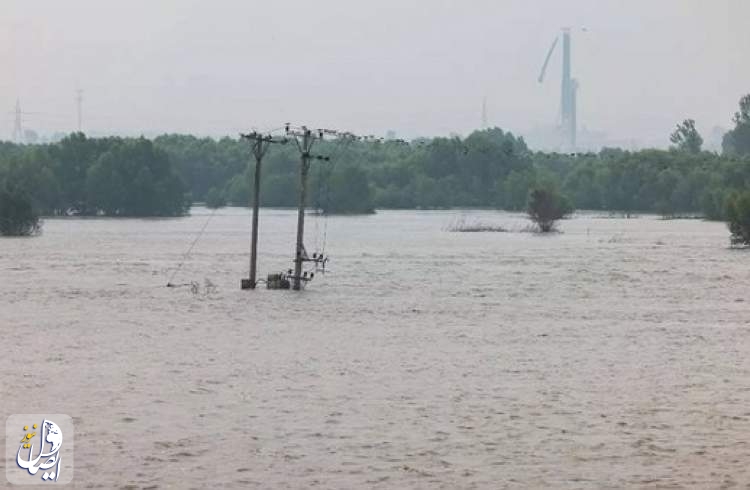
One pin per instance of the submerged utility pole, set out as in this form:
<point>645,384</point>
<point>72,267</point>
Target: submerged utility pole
<point>305,140</point>
<point>260,147</point>
<point>307,143</point>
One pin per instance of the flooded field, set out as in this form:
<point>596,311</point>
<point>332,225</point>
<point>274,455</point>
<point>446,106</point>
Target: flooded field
<point>615,354</point>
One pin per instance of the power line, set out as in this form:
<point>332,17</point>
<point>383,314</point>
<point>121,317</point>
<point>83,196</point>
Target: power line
<point>190,249</point>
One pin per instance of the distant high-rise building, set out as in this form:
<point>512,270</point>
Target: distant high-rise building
<point>714,139</point>
<point>30,137</point>
<point>18,124</point>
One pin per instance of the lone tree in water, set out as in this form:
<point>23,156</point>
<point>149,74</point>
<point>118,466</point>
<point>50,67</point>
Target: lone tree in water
<point>738,216</point>
<point>17,216</point>
<point>545,207</point>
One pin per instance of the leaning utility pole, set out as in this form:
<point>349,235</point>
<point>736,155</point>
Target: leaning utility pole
<point>260,147</point>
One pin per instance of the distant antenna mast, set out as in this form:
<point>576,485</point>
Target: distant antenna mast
<point>18,124</point>
<point>79,105</point>
<point>485,124</point>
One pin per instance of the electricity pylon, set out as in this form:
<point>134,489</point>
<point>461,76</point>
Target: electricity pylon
<point>79,106</point>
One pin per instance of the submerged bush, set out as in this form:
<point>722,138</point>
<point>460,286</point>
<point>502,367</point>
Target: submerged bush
<point>17,215</point>
<point>738,218</point>
<point>463,225</point>
<point>545,207</point>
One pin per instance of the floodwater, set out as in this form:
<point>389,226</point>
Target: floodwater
<point>613,355</point>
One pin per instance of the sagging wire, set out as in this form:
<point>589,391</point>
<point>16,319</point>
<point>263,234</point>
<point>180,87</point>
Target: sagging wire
<point>170,284</point>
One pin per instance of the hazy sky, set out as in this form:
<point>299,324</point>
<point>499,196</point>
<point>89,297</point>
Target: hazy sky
<point>418,67</point>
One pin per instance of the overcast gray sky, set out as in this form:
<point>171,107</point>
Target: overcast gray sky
<point>418,67</point>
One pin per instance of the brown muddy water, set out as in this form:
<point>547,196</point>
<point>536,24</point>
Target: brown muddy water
<point>613,355</point>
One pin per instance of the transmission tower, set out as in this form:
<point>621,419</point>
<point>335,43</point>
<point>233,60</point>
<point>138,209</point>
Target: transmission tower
<point>79,106</point>
<point>18,124</point>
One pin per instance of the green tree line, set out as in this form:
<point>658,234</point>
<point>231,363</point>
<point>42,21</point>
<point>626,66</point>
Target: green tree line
<point>488,168</point>
<point>105,176</point>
